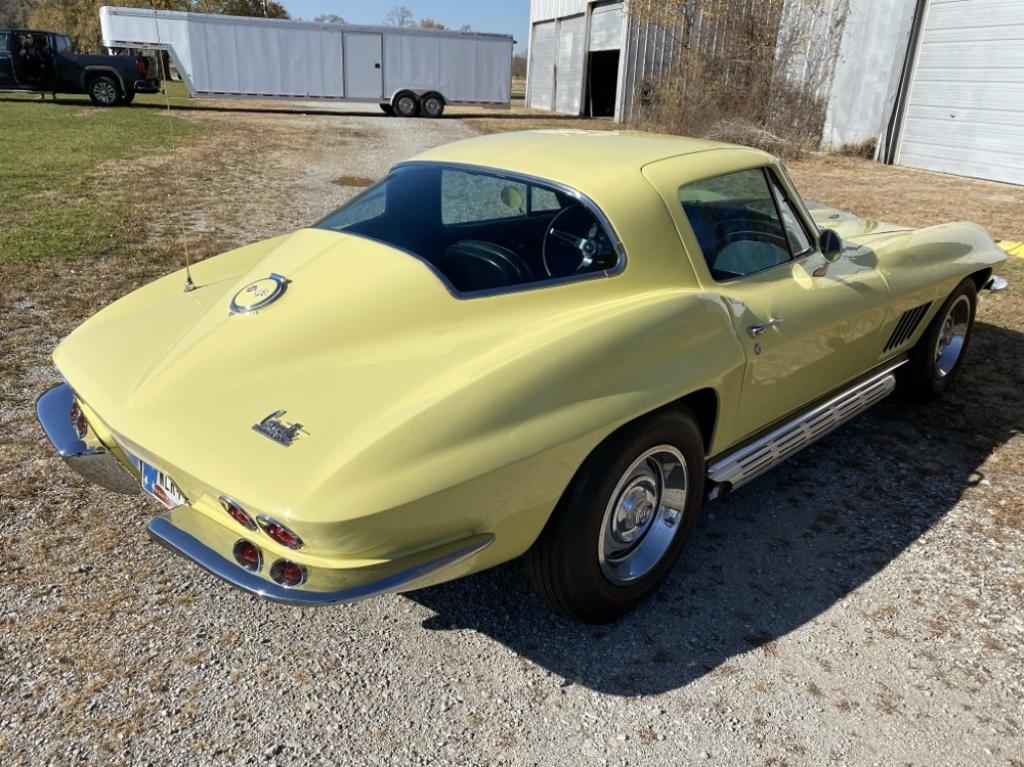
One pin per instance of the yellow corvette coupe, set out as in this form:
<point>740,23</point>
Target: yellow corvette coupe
<point>552,343</point>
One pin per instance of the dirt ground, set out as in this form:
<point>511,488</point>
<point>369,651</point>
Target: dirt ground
<point>861,605</point>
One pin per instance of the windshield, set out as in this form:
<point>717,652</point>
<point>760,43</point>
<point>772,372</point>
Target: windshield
<point>481,230</point>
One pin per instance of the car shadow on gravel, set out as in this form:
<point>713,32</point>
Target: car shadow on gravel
<point>777,553</point>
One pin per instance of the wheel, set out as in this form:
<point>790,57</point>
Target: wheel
<point>405,104</point>
<point>128,98</point>
<point>387,109</point>
<point>432,105</point>
<point>935,360</point>
<point>104,91</point>
<point>622,523</point>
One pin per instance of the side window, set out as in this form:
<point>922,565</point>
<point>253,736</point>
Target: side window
<point>542,200</point>
<point>471,197</point>
<point>63,44</point>
<point>369,205</point>
<point>3,42</point>
<point>799,241</point>
<point>736,222</point>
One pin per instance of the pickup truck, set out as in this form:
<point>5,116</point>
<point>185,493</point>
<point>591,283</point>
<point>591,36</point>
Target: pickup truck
<point>43,62</point>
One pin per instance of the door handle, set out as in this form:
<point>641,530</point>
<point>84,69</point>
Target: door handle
<point>760,330</point>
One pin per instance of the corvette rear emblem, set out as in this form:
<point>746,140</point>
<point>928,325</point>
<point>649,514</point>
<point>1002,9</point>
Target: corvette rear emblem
<point>281,432</point>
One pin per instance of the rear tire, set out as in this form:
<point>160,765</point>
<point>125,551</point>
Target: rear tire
<point>936,359</point>
<point>623,522</point>
<point>432,105</point>
<point>406,104</point>
<point>104,91</point>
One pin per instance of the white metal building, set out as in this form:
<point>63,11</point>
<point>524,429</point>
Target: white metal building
<point>939,83</point>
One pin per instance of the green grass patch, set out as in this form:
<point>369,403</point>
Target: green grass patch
<point>58,197</point>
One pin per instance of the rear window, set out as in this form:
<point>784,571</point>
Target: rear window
<point>482,231</point>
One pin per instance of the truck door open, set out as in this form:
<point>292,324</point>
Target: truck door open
<point>6,72</point>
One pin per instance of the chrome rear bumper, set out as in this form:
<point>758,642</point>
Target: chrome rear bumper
<point>398,576</point>
<point>53,410</point>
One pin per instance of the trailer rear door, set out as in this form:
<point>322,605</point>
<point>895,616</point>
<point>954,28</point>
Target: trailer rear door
<point>363,74</point>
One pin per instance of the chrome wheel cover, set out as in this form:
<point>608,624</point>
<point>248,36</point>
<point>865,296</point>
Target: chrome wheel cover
<point>407,105</point>
<point>105,92</point>
<point>643,515</point>
<point>952,335</point>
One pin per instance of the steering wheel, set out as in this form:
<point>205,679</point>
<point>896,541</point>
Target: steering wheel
<point>575,243</point>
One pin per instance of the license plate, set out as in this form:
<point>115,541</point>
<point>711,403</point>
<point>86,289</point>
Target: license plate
<point>161,487</point>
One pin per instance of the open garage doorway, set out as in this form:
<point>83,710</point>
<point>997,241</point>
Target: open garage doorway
<point>602,83</point>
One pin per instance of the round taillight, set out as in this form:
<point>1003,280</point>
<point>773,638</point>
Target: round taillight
<point>279,533</point>
<point>230,505</point>
<point>248,555</point>
<point>288,573</point>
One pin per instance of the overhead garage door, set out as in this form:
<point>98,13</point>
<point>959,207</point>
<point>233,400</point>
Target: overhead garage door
<point>606,27</point>
<point>541,83</point>
<point>569,65</point>
<point>965,111</point>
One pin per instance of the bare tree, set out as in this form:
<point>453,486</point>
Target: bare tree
<point>431,24</point>
<point>399,16</point>
<point>329,18</point>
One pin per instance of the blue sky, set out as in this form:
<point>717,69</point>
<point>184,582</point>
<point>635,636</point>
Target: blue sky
<point>505,16</point>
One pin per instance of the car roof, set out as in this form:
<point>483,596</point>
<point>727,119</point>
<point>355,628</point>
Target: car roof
<point>590,161</point>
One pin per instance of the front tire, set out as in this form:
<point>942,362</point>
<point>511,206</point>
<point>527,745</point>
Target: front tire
<point>104,91</point>
<point>936,359</point>
<point>623,522</point>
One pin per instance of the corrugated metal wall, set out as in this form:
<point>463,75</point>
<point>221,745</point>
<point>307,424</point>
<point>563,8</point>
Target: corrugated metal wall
<point>569,64</point>
<point>545,10</point>
<point>606,27</point>
<point>965,109</point>
<point>541,74</point>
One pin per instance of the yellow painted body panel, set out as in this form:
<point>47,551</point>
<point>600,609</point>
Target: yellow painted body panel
<point>428,418</point>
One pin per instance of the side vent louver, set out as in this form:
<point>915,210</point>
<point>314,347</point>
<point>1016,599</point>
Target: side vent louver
<point>906,326</point>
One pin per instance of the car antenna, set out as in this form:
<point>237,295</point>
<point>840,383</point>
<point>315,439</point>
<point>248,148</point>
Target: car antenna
<point>189,285</point>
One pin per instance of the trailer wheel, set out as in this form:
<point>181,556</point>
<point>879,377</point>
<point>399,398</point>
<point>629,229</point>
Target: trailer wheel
<point>432,105</point>
<point>406,104</point>
<point>387,109</point>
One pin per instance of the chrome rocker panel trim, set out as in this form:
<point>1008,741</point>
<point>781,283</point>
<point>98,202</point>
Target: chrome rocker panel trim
<point>177,540</point>
<point>752,460</point>
<point>98,465</point>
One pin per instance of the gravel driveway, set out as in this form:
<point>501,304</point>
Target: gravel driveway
<point>861,605</point>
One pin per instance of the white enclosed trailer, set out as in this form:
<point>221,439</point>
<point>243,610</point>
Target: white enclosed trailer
<point>405,70</point>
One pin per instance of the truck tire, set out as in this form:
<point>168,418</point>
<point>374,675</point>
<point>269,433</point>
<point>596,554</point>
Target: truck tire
<point>406,104</point>
<point>936,359</point>
<point>104,91</point>
<point>623,521</point>
<point>432,105</point>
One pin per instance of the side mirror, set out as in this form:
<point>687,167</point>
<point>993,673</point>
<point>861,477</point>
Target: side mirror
<point>830,245</point>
